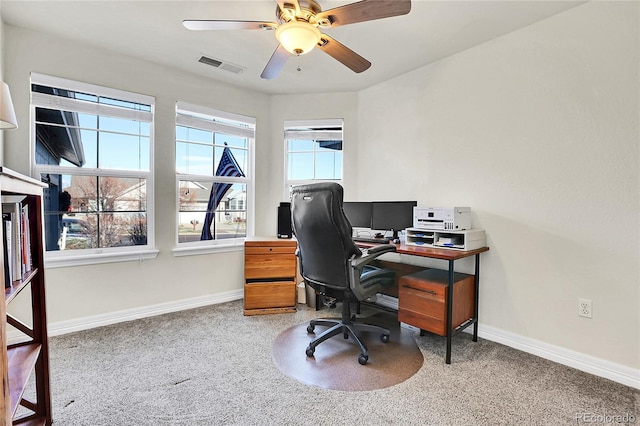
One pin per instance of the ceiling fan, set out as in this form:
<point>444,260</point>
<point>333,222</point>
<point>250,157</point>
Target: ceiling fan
<point>298,29</point>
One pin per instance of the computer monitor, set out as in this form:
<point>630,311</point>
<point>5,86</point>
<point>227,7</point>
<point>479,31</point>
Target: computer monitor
<point>358,213</point>
<point>392,215</point>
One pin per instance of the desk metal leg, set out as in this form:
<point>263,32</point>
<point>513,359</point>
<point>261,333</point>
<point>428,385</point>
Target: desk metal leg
<point>449,312</point>
<point>477,297</point>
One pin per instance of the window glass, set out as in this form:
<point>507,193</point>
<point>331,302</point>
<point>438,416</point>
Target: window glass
<point>119,125</point>
<point>195,135</point>
<point>94,152</point>
<point>216,208</point>
<point>314,151</point>
<point>96,212</point>
<point>301,166</point>
<point>84,140</point>
<point>120,151</point>
<point>328,165</point>
<point>194,159</point>
<point>214,181</point>
<point>300,145</point>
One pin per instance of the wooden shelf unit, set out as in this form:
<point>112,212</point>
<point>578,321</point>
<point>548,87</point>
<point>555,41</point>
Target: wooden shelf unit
<point>270,266</point>
<point>20,361</point>
<point>463,240</point>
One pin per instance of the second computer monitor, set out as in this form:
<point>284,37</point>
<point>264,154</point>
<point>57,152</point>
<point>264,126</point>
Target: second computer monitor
<point>358,213</point>
<point>392,215</point>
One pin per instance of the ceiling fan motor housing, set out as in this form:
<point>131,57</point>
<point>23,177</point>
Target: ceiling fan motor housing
<point>308,11</point>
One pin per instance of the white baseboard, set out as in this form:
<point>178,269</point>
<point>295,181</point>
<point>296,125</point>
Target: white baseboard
<point>85,323</point>
<point>598,367</point>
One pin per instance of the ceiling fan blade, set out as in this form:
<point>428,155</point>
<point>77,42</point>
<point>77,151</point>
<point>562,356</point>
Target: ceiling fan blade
<point>203,25</point>
<point>342,53</point>
<point>365,10</point>
<point>276,63</point>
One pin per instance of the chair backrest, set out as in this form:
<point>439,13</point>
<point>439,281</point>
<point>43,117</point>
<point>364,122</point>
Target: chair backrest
<point>324,235</point>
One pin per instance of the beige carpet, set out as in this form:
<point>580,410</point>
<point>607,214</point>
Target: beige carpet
<point>335,362</point>
<point>214,366</point>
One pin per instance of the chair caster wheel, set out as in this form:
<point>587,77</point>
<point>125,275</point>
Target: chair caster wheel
<point>310,352</point>
<point>310,329</point>
<point>384,338</point>
<point>362,359</point>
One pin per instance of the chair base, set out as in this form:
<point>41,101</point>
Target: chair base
<point>347,328</point>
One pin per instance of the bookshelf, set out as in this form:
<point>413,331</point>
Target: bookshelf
<point>29,355</point>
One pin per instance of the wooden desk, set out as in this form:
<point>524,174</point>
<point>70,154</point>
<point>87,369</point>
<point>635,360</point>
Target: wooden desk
<point>450,256</point>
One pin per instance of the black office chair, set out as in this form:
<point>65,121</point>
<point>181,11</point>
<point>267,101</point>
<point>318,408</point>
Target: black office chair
<point>332,264</point>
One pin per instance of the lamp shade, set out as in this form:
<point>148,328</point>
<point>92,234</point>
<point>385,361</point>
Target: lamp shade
<point>298,37</point>
<point>7,114</point>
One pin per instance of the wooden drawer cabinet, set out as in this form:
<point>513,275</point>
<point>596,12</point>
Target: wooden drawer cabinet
<point>269,275</point>
<point>422,300</point>
<point>269,262</point>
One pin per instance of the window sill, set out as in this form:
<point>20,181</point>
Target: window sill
<point>208,249</point>
<point>98,258</point>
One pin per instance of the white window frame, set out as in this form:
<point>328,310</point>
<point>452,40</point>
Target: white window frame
<point>247,129</point>
<point>63,258</point>
<point>298,129</point>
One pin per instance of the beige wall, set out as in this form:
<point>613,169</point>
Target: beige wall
<point>77,292</point>
<point>537,131</point>
<point>304,107</point>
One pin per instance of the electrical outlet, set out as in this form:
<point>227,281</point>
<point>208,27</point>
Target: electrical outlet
<point>584,308</point>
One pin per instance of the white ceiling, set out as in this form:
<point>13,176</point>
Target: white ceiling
<point>153,31</point>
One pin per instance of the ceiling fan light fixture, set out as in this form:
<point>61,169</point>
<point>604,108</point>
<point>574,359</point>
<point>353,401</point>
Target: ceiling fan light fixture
<point>298,37</point>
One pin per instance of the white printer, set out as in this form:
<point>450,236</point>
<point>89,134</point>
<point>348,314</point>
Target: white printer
<point>442,218</point>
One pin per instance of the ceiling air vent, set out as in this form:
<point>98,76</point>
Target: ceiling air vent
<point>227,66</point>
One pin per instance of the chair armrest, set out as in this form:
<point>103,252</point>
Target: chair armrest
<point>371,254</point>
<point>358,263</point>
<point>381,247</point>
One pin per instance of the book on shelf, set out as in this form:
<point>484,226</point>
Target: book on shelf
<point>17,238</point>
<point>26,240</point>
<point>6,245</point>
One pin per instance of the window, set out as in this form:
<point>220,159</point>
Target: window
<point>214,169</point>
<point>314,151</point>
<point>93,148</point>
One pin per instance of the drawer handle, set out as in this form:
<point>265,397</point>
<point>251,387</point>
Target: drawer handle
<point>420,289</point>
